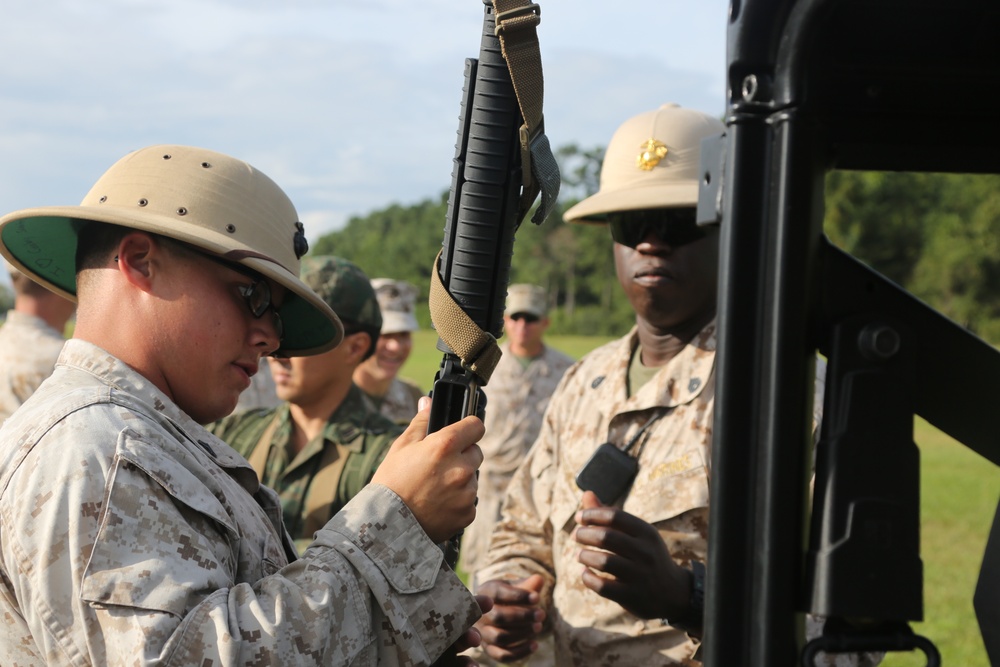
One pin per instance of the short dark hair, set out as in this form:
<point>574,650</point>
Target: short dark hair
<point>95,241</point>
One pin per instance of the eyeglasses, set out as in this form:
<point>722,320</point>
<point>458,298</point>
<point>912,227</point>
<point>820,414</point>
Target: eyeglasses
<point>527,317</point>
<point>673,226</point>
<point>257,294</point>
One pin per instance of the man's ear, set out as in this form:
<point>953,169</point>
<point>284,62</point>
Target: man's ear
<point>136,252</point>
<point>359,344</point>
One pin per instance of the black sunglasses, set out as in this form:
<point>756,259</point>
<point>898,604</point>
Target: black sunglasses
<point>673,226</point>
<point>527,317</point>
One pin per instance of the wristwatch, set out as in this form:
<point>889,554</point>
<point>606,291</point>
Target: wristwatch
<point>693,619</point>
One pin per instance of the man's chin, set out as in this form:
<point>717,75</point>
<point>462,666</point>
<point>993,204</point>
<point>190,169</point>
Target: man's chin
<point>389,370</point>
<point>284,396</point>
<point>208,414</point>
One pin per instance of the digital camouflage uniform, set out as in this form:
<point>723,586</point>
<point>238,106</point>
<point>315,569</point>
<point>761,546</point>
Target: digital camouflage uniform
<point>671,491</point>
<point>354,428</point>
<point>157,545</point>
<point>516,400</point>
<point>29,348</point>
<point>399,403</point>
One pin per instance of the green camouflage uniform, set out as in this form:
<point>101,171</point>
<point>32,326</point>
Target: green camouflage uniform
<point>354,426</point>
<point>354,430</point>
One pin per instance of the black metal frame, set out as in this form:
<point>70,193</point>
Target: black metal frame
<point>816,85</point>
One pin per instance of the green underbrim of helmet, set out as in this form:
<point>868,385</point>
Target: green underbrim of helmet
<point>44,248</point>
<point>55,261</point>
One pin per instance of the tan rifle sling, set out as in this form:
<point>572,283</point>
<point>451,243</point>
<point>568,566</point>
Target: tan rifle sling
<point>516,21</point>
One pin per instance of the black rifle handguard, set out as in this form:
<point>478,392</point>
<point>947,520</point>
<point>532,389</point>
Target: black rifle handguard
<point>481,220</point>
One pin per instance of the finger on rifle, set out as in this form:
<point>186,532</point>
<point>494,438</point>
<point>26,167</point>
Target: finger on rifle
<point>417,428</point>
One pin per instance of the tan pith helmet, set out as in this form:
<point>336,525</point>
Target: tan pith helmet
<point>215,202</point>
<point>651,162</point>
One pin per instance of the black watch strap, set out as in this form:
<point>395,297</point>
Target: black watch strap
<point>693,618</point>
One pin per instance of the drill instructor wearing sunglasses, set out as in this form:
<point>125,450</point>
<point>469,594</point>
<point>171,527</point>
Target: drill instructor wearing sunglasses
<point>131,535</point>
<point>603,535</point>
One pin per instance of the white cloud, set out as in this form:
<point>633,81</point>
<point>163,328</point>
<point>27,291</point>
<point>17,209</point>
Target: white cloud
<point>349,107</point>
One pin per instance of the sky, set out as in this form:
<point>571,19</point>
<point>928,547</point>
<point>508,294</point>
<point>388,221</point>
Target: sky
<point>349,107</point>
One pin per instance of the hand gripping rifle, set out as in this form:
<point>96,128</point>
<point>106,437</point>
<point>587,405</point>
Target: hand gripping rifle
<point>502,161</point>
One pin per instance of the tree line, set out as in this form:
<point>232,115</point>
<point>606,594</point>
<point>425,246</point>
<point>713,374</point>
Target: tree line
<point>936,235</point>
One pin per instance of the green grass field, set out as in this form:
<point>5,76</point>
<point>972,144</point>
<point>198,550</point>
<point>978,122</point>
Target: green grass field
<point>959,492</point>
<point>425,359</point>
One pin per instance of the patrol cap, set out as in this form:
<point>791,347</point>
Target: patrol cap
<point>212,201</point>
<point>651,162</point>
<point>525,298</point>
<point>345,288</point>
<point>398,301</point>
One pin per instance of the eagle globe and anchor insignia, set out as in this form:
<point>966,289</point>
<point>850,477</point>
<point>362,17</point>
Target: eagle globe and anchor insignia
<point>652,151</point>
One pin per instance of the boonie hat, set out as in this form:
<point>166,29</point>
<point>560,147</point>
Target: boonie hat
<point>651,162</point>
<point>212,201</point>
<point>398,301</point>
<point>345,288</point>
<point>525,298</point>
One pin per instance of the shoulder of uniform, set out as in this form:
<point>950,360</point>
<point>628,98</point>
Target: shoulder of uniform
<point>356,416</point>
<point>242,430</point>
<point>412,386</point>
<point>379,424</point>
<point>596,365</point>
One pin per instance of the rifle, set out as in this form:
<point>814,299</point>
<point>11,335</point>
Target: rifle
<point>502,162</point>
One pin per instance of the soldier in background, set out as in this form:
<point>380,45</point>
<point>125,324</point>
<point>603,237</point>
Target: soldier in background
<point>378,376</point>
<point>518,393</point>
<point>323,443</point>
<point>30,339</point>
